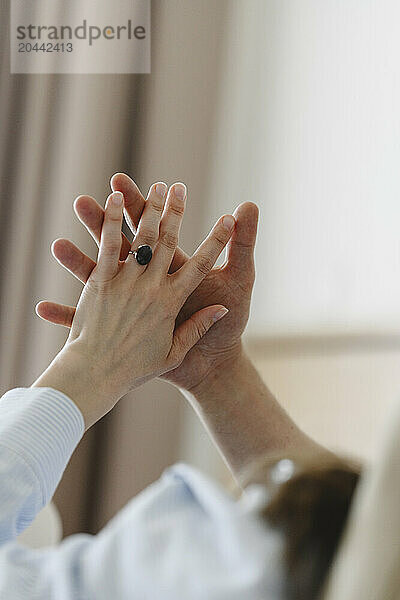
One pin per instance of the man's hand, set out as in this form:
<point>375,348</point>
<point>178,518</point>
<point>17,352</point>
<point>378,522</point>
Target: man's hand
<point>230,285</point>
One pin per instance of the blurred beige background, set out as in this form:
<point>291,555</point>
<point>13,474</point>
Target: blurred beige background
<point>291,104</point>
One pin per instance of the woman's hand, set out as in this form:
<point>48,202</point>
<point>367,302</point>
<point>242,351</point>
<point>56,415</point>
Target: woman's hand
<point>230,285</point>
<point>124,330</point>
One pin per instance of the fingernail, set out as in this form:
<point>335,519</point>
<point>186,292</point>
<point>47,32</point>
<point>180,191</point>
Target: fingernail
<point>117,198</point>
<point>228,222</point>
<point>180,190</point>
<point>161,189</point>
<point>220,313</point>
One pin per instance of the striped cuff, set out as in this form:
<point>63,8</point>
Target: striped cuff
<point>43,426</point>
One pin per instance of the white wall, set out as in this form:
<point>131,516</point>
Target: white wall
<point>341,397</point>
<point>309,128</point>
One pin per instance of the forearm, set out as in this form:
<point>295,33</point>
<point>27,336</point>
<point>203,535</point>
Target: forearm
<point>243,417</point>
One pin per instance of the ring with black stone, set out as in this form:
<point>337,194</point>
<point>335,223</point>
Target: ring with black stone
<point>143,254</point>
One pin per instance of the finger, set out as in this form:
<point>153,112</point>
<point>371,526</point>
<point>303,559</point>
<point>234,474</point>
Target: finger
<point>149,225</point>
<point>169,228</point>
<point>203,260</point>
<point>134,206</point>
<point>74,260</point>
<point>134,202</point>
<point>192,330</point>
<point>110,243</point>
<point>240,252</point>
<point>91,215</point>
<point>58,314</point>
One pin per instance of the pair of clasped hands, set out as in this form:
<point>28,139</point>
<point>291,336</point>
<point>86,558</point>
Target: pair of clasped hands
<point>179,317</point>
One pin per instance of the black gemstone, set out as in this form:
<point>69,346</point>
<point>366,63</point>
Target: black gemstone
<point>144,255</point>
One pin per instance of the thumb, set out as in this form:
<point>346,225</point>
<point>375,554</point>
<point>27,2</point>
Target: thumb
<point>193,329</point>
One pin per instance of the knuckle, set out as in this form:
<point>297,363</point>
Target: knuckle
<point>156,205</point>
<point>146,236</point>
<point>169,239</point>
<point>204,264</point>
<point>201,329</point>
<point>220,237</point>
<point>113,218</point>
<point>177,209</point>
<point>97,285</point>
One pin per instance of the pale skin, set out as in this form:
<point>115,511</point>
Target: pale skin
<point>123,332</point>
<point>215,375</point>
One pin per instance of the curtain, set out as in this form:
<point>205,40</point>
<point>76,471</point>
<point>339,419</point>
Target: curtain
<point>61,136</point>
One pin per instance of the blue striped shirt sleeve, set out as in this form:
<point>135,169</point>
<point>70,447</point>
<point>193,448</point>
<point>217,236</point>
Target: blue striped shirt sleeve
<point>39,430</point>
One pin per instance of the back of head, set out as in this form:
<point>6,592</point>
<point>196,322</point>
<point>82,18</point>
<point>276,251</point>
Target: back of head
<point>310,497</point>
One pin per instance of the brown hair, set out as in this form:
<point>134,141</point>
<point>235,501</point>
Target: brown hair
<point>310,509</point>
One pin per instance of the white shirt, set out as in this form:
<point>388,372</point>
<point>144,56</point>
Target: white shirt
<point>183,538</point>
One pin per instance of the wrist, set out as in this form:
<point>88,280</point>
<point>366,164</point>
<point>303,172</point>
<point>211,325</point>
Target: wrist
<point>224,372</point>
<point>71,372</point>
